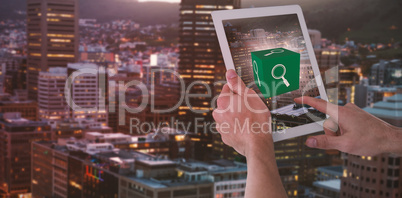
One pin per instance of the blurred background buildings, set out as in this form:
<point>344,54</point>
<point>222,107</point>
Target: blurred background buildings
<point>48,149</point>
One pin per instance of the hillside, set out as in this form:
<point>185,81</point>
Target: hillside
<point>144,13</point>
<point>105,10</point>
<point>368,20</point>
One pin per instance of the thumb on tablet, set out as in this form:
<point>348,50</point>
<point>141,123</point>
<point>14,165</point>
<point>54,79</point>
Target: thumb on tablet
<point>235,83</point>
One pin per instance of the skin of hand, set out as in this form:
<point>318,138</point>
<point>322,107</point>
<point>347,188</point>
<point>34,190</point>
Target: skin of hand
<point>244,123</point>
<point>352,130</point>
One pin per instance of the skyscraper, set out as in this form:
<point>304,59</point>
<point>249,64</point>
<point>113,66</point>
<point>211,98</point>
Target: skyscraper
<point>88,92</point>
<point>16,136</point>
<point>201,62</point>
<point>51,101</point>
<point>52,28</point>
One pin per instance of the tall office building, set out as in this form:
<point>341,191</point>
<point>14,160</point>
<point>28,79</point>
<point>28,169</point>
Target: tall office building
<point>386,73</point>
<point>88,92</point>
<point>348,77</point>
<point>375,176</point>
<point>16,136</point>
<point>52,28</point>
<point>51,101</point>
<point>365,96</point>
<point>13,73</point>
<point>200,57</point>
<point>27,108</point>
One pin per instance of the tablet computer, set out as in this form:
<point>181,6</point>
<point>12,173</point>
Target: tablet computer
<point>271,51</point>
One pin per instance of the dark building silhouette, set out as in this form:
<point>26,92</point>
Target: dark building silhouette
<point>200,57</point>
<point>52,28</point>
<point>16,136</point>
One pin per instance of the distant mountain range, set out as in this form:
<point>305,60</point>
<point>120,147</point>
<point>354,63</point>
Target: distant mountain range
<point>368,20</point>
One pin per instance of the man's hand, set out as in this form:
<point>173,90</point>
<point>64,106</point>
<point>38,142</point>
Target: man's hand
<point>242,118</point>
<point>352,130</point>
<point>244,123</point>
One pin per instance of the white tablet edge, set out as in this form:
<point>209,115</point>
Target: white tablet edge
<point>219,16</point>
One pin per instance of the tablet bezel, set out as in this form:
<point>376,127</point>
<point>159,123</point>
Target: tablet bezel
<point>219,16</point>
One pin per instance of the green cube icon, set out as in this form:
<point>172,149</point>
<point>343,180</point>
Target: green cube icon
<point>276,71</point>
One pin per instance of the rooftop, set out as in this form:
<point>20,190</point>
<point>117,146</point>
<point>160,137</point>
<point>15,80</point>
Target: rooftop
<point>336,170</point>
<point>123,163</point>
<point>56,71</point>
<point>14,119</point>
<point>157,162</point>
<point>332,185</point>
<point>106,135</point>
<point>78,66</point>
<point>166,182</point>
<point>381,89</point>
<point>391,108</point>
<point>213,167</point>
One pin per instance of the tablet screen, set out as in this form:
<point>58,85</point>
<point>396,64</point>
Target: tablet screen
<point>270,55</point>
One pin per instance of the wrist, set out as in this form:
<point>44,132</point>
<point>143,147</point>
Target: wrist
<point>393,143</point>
<point>261,146</point>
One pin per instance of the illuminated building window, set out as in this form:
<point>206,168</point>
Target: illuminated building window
<point>204,77</point>
<point>179,138</point>
<point>61,35</point>
<point>35,54</point>
<point>203,71</point>
<point>60,15</point>
<point>325,52</point>
<point>205,28</point>
<point>228,7</point>
<point>60,55</point>
<point>186,12</point>
<point>35,34</point>
<point>202,12</point>
<point>60,40</point>
<point>53,20</point>
<point>34,44</point>
<point>206,6</point>
<point>133,145</point>
<point>205,66</point>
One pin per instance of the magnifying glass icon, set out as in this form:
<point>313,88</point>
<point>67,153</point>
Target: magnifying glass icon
<point>274,51</point>
<point>281,76</point>
<point>255,67</point>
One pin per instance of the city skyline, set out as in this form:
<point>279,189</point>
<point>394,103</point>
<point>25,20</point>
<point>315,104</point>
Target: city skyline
<point>51,148</point>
